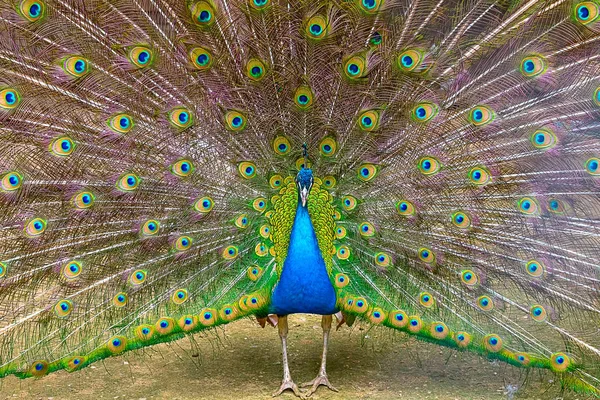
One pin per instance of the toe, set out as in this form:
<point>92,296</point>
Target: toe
<point>288,385</point>
<point>320,380</point>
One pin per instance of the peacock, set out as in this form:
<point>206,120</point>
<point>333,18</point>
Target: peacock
<point>428,166</point>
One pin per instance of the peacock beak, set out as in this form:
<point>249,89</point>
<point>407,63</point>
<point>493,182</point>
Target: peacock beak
<point>303,196</point>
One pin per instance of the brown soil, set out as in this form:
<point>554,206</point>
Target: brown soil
<point>243,361</point>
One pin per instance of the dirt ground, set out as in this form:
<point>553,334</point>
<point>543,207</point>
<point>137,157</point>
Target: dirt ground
<point>243,361</point>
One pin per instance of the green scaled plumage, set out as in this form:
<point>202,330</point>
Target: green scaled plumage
<point>149,153</point>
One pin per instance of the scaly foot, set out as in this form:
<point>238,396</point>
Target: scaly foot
<point>321,379</point>
<point>288,385</point>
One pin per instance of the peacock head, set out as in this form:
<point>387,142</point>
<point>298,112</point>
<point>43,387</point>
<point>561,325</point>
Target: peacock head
<point>304,180</point>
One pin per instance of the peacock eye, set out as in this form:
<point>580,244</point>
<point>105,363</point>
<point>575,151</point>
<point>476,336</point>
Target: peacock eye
<point>117,344</point>
<point>438,330</point>
<point>343,252</point>
<point>538,313</point>
<point>543,139</point>
<point>120,123</point>
<point>462,339</point>
<point>369,6</point>
<point>366,229</point>
<point>523,358</point>
<point>303,97</point>
<point>76,66</point>
<point>328,147</point>
<point>201,58</point>
<point>424,112</point>
<point>150,228</point>
<point>9,98</point>
<point>586,12</point>
<point>461,220</point>
<point>556,206</point>
<point>265,231</point>
<point>141,56</point>
<point>485,303</point>
<point>355,67</point>
<point>11,181</point>
<point>469,278</point>
<point>241,221</point>
<point>481,115</point>
<point>144,332</point>
<point>410,60</point>
<point>138,277</point>
<point>349,202</point>
<point>230,252</point>
<point>528,206</point>
<point>259,4</point>
<point>182,168</point>
<point>208,316</point>
<point>63,308</point>
<point>247,169</point>
<point>83,200</point>
<point>340,232</point>
<point>39,368</point>
<point>405,208</point>
<point>261,249</point>
<point>275,181</point>
<point>360,305</point>
<point>181,117</point>
<point>592,166</point>
<point>128,182</point>
<point>535,268</point>
<point>281,145</point>
<point>480,176</point>
<point>533,66</point>
<point>383,259</point>
<point>259,204</point>
<point>559,362</point>
<point>35,227</point>
<point>204,204</point>
<point>120,299</point>
<point>316,28</point>
<point>329,182</point>
<point>429,165</point>
<point>62,146</point>
<point>376,39</point>
<point>203,14</point>
<point>398,318</point>
<point>255,69</point>
<point>180,296</point>
<point>254,272</point>
<point>75,363</point>
<point>426,299</point>
<point>414,324</point>
<point>182,243</point>
<point>32,10</point>
<point>369,120</point>
<point>72,269</point>
<point>235,121</point>
<point>492,343</point>
<point>164,326</point>
<point>426,255</point>
<point>366,172</point>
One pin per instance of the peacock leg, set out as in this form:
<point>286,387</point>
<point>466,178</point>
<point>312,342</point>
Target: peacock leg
<point>287,382</point>
<point>321,378</point>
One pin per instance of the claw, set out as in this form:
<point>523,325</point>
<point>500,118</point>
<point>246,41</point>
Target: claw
<point>288,385</point>
<point>320,380</point>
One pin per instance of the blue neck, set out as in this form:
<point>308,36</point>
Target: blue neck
<point>304,285</point>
